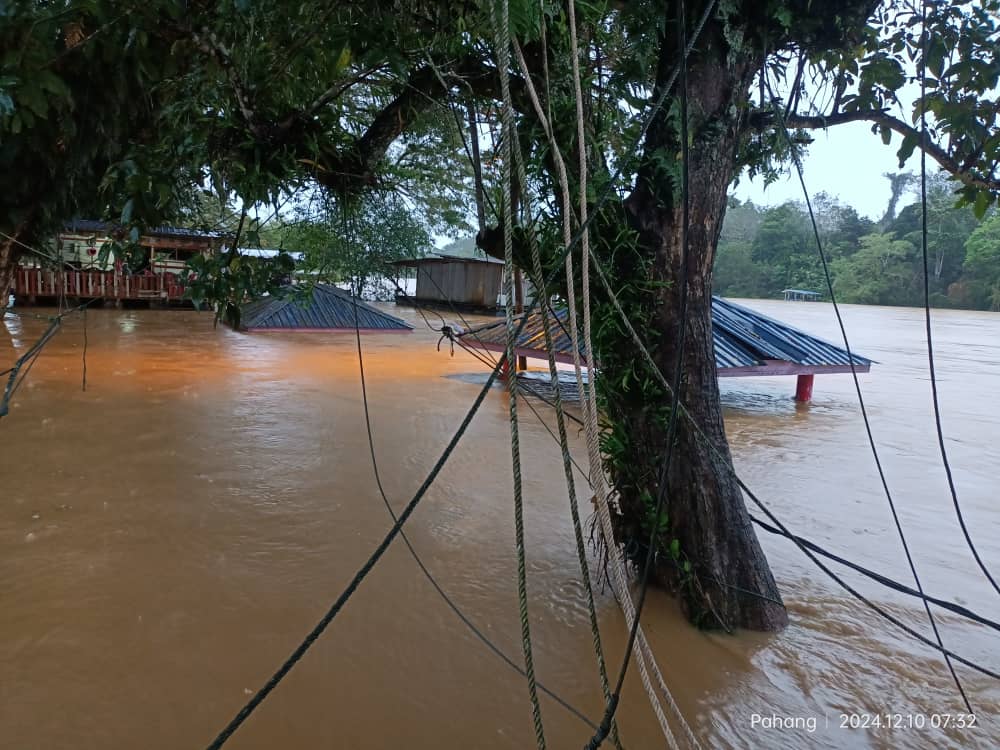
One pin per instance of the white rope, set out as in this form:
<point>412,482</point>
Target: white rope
<point>616,561</point>
<point>590,413</point>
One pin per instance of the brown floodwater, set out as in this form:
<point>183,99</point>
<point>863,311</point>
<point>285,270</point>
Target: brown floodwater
<point>170,534</point>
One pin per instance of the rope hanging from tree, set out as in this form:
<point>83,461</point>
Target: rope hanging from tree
<point>598,483</point>
<point>501,22</point>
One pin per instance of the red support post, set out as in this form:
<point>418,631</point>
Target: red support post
<point>804,388</point>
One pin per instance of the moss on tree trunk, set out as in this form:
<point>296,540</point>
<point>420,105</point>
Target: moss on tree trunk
<point>707,550</point>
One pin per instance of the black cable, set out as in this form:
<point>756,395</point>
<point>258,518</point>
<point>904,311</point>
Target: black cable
<point>664,473</point>
<point>867,572</point>
<point>711,447</point>
<point>927,302</point>
<point>15,377</point>
<point>83,382</point>
<point>858,595</point>
<point>861,403</point>
<point>878,577</point>
<point>420,563</point>
<point>391,535</point>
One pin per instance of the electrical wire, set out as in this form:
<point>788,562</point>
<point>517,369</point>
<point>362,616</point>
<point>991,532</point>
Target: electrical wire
<point>366,568</point>
<point>797,162</point>
<point>927,304</point>
<point>867,572</point>
<point>416,557</point>
<point>675,394</point>
<point>723,458</point>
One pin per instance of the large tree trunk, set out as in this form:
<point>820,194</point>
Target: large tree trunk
<point>707,550</point>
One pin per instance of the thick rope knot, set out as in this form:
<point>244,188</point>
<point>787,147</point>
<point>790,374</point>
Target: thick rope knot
<point>447,332</point>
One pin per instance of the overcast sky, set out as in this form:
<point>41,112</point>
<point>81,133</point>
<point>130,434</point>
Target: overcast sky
<point>846,161</point>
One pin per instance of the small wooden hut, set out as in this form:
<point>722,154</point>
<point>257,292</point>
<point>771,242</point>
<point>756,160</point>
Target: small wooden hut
<point>458,275</point>
<point>801,295</point>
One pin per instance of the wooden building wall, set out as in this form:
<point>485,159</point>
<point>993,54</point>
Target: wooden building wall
<point>476,284</point>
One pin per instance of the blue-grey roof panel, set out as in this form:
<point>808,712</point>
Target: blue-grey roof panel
<point>533,335</point>
<point>742,338</point>
<point>328,308</point>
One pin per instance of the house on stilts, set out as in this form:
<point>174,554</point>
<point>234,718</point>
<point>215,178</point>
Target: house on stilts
<point>746,344</point>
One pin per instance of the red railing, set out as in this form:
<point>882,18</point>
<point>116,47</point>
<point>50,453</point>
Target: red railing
<point>39,282</point>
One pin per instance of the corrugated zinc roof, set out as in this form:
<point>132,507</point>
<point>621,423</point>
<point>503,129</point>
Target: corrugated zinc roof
<point>328,308</point>
<point>765,338</point>
<point>533,335</point>
<point>743,339</point>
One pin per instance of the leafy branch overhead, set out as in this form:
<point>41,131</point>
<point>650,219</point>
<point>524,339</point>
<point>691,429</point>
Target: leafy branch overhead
<point>875,80</point>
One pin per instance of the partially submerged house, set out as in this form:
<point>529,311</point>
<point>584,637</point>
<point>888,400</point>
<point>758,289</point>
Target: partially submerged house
<point>746,344</point>
<point>327,308</point>
<point>79,269</point>
<point>459,275</point>
<point>165,249</point>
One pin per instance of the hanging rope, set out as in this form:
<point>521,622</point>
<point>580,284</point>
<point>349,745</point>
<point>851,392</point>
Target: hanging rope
<point>861,402</point>
<point>619,580</point>
<point>619,577</point>
<point>644,122</point>
<point>927,303</point>
<point>581,549</point>
<point>879,578</point>
<point>465,619</point>
<point>674,392</point>
<point>593,439</point>
<point>501,21</point>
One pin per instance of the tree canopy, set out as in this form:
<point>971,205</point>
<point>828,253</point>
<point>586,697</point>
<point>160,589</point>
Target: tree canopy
<point>763,251</point>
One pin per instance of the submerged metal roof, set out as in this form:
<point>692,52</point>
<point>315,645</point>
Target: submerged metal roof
<point>531,342</point>
<point>329,308</point>
<point>746,343</point>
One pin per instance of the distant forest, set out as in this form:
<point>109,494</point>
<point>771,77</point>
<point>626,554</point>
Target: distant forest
<point>765,250</point>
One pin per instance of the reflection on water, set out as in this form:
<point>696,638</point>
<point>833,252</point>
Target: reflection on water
<point>168,536</point>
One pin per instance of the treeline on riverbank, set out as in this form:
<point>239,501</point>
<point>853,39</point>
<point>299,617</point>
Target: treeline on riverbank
<point>765,250</point>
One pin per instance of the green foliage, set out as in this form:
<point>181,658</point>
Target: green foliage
<point>356,243</point>
<point>229,280</point>
<point>982,263</point>
<point>882,272</point>
<point>129,115</point>
<point>761,252</point>
<point>77,89</point>
<point>786,246</point>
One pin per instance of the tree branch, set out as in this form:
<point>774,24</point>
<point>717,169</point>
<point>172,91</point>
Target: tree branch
<point>961,172</point>
<point>210,44</point>
<point>354,168</point>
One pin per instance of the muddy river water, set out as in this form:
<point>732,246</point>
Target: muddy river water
<point>169,535</point>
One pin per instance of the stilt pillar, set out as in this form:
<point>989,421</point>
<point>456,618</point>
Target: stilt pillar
<point>804,388</point>
<point>505,370</point>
